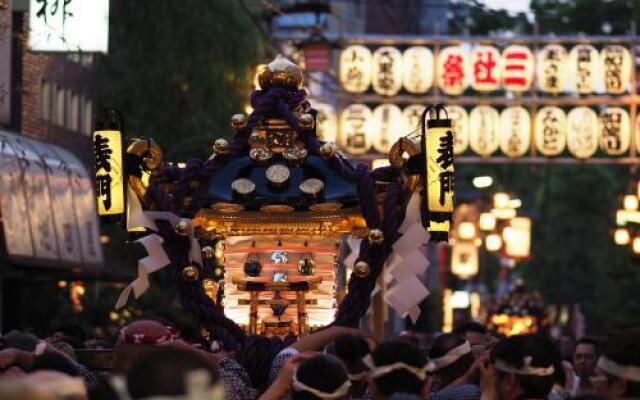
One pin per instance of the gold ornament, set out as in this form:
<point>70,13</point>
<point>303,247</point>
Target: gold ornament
<point>221,146</point>
<point>362,269</point>
<point>306,121</point>
<point>149,151</point>
<point>238,121</point>
<point>183,227</point>
<point>280,73</point>
<point>208,252</point>
<point>376,236</point>
<point>328,150</point>
<point>190,273</point>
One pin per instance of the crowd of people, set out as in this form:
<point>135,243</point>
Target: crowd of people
<point>154,361</point>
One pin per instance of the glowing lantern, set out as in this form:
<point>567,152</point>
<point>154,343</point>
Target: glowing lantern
<point>355,123</point>
<point>482,182</point>
<point>464,260</point>
<point>550,135</point>
<point>493,242</point>
<point>517,238</point>
<point>485,68</point>
<point>466,230</point>
<point>411,116</point>
<point>326,122</point>
<point>615,134</point>
<point>551,68</point>
<point>452,70</point>
<point>487,222</point>
<point>387,71</point>
<point>517,68</point>
<point>109,169</point>
<point>355,69</point>
<point>460,124</point>
<point>484,124</point>
<point>503,213</point>
<point>621,237</point>
<point>636,245</point>
<point>630,202</point>
<point>582,132</point>
<point>616,68</point>
<point>501,200</point>
<point>417,62</point>
<point>584,63</point>
<point>515,131</point>
<point>387,125</point>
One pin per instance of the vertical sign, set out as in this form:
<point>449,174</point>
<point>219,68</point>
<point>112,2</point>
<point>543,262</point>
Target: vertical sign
<point>485,67</point>
<point>387,71</point>
<point>453,70</point>
<point>515,131</point>
<point>387,127</point>
<point>484,125</point>
<point>582,132</point>
<point>552,65</point>
<point>107,151</point>
<point>550,135</point>
<point>616,67</point>
<point>417,62</point>
<point>355,122</point>
<point>517,68</point>
<point>5,61</point>
<point>584,60</point>
<point>615,134</point>
<point>355,69</point>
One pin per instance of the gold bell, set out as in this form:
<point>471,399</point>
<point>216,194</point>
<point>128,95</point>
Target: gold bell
<point>328,150</point>
<point>376,236</point>
<point>190,273</point>
<point>221,146</point>
<point>239,121</point>
<point>306,121</point>
<point>362,269</point>
<point>208,252</point>
<point>183,227</point>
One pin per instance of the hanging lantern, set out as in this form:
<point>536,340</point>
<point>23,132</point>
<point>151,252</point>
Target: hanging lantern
<point>493,242</point>
<point>306,266</point>
<point>517,238</point>
<point>636,245</point>
<point>386,127</point>
<point>326,122</point>
<point>551,68</point>
<point>417,62</point>
<point>453,70</point>
<point>386,77</point>
<point>466,230</point>
<point>615,134</point>
<point>355,132</point>
<point>484,124</point>
<point>487,222</point>
<point>355,69</point>
<point>411,116</point>
<point>630,202</point>
<point>460,124</point>
<point>517,68</point>
<point>252,268</point>
<point>464,259</point>
<point>515,131</point>
<point>501,200</point>
<point>584,63</point>
<point>616,68</point>
<point>485,68</point>
<point>550,135</point>
<point>109,172</point>
<point>621,237</point>
<point>582,132</point>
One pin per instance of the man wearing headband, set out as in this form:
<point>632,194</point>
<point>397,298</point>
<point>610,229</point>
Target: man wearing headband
<point>521,367</point>
<point>618,370</point>
<point>450,362</point>
<point>474,333</point>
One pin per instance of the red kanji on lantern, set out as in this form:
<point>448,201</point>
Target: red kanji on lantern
<point>453,71</point>
<point>517,68</point>
<point>486,71</point>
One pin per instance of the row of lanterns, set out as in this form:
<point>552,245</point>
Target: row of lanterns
<point>485,130</point>
<point>583,69</point>
<point>628,222</point>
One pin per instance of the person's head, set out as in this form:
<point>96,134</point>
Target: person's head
<point>52,361</point>
<point>140,338</point>
<point>585,357</point>
<point>21,340</point>
<point>474,333</point>
<point>174,372</point>
<point>318,377</point>
<point>351,349</point>
<point>618,368</point>
<point>567,346</point>
<point>524,367</point>
<point>450,357</point>
<point>396,367</point>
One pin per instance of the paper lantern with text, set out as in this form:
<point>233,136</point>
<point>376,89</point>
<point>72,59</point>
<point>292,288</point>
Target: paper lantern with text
<point>484,125</point>
<point>355,128</point>
<point>411,116</point>
<point>551,68</point>
<point>326,122</point>
<point>550,134</point>
<point>616,68</point>
<point>453,70</point>
<point>582,132</point>
<point>355,69</point>
<point>387,127</point>
<point>615,131</point>
<point>485,68</point>
<point>517,68</point>
<point>515,131</point>
<point>386,76</point>
<point>460,124</point>
<point>464,259</point>
<point>109,172</point>
<point>584,68</point>
<point>418,64</point>
<point>517,238</point>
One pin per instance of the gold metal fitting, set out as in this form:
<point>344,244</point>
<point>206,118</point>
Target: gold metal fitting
<point>280,73</point>
<point>376,236</point>
<point>190,273</point>
<point>328,150</point>
<point>208,252</point>
<point>306,121</point>
<point>221,146</point>
<point>238,121</point>
<point>183,227</point>
<point>362,269</point>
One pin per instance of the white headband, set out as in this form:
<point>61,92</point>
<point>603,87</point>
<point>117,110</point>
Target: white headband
<point>527,369</point>
<point>452,356</point>
<point>629,372</point>
<point>196,384</point>
<point>375,371</point>
<point>336,394</point>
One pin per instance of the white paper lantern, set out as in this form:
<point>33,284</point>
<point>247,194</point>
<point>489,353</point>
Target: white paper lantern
<point>615,131</point>
<point>355,69</point>
<point>616,68</point>
<point>460,124</point>
<point>387,127</point>
<point>484,125</point>
<point>326,122</point>
<point>485,68</point>
<point>552,68</point>
<point>453,70</point>
<point>412,118</point>
<point>584,63</point>
<point>515,131</point>
<point>355,128</point>
<point>517,68</point>
<point>386,76</point>
<point>418,65</point>
<point>551,127</point>
<point>582,132</point>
